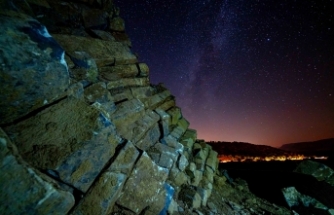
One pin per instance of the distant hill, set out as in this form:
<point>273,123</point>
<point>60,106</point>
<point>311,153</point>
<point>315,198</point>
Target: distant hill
<point>246,149</point>
<point>319,147</point>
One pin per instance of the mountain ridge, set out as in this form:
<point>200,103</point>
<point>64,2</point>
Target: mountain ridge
<point>323,146</point>
<point>248,150</point>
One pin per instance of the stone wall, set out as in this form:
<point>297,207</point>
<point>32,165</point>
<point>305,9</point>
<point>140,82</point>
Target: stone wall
<point>82,129</point>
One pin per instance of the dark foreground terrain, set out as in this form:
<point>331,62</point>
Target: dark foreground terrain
<point>266,179</point>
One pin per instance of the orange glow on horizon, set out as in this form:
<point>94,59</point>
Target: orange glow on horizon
<point>239,158</point>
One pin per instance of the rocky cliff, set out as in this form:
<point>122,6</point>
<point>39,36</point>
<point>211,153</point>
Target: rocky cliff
<point>82,129</point>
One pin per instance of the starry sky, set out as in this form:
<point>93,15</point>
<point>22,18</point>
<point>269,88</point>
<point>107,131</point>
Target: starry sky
<point>257,71</point>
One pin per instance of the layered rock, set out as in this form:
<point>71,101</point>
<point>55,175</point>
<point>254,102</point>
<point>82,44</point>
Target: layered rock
<point>83,130</point>
<point>33,69</point>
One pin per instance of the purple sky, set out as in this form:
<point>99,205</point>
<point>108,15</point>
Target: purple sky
<point>252,71</point>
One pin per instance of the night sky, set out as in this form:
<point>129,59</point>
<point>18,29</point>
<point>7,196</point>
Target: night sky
<point>257,71</point>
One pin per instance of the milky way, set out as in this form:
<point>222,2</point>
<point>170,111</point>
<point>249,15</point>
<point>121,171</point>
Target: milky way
<point>253,71</point>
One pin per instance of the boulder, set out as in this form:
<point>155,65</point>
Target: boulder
<point>200,156</point>
<point>163,155</point>
<point>97,93</point>
<point>121,95</point>
<point>164,122</point>
<point>189,172</point>
<point>183,124</point>
<point>103,195</point>
<point>76,91</point>
<point>318,170</point>
<point>212,160</point>
<point>180,178</point>
<point>198,175</point>
<point>128,82</point>
<point>177,132</point>
<point>291,196</point>
<point>190,197</point>
<point>167,104</point>
<point>143,92</point>
<point>34,72</point>
<point>188,139</point>
<point>100,98</point>
<point>150,138</point>
<point>176,115</point>
<point>156,100</point>
<point>114,73</point>
<point>172,142</point>
<point>143,69</point>
<point>135,131</point>
<point>182,162</point>
<point>295,198</point>
<point>67,134</point>
<point>197,148</point>
<point>138,193</point>
<point>117,24</point>
<point>125,160</point>
<point>208,174</point>
<point>127,112</point>
<point>177,177</point>
<point>103,52</point>
<point>191,167</point>
<point>164,161</point>
<point>316,182</point>
<point>82,67</point>
<point>219,180</point>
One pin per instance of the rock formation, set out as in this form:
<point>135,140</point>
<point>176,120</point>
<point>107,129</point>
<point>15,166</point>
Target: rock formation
<point>82,129</point>
<point>313,195</point>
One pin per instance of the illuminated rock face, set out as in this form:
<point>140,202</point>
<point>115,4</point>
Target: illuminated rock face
<point>33,70</point>
<point>82,128</point>
<point>25,190</point>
